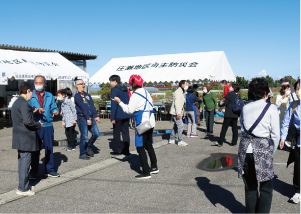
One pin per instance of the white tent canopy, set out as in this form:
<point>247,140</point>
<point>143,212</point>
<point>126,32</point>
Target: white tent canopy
<point>213,66</point>
<point>26,65</point>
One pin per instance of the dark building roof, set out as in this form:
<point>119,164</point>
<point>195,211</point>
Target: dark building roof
<point>67,55</point>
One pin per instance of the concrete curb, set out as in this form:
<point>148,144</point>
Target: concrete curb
<point>51,182</point>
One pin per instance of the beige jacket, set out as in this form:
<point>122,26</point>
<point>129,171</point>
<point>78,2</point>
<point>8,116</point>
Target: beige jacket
<point>178,103</point>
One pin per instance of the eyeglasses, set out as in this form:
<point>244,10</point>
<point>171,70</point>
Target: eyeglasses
<point>82,84</point>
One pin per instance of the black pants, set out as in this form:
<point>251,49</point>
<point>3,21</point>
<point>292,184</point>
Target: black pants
<point>123,127</point>
<point>296,179</point>
<point>70,131</point>
<point>291,131</point>
<point>255,203</point>
<point>24,160</point>
<point>148,146</point>
<point>209,115</point>
<point>227,122</point>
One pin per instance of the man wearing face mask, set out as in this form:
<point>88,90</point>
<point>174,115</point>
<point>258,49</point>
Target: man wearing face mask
<point>119,118</point>
<point>293,114</point>
<point>226,87</point>
<point>177,112</point>
<point>24,135</point>
<point>46,109</point>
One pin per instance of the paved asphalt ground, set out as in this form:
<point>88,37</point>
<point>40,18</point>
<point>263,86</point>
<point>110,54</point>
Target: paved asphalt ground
<point>181,186</point>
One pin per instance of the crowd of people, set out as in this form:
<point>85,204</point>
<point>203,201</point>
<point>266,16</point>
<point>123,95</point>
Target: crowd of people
<point>264,127</point>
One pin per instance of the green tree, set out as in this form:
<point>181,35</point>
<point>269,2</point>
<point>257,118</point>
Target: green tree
<point>101,85</point>
<point>291,80</point>
<point>270,80</point>
<point>242,82</point>
<point>105,92</point>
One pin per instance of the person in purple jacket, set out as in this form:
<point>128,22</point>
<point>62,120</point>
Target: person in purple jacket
<point>86,120</point>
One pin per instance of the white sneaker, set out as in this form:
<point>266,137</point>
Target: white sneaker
<point>27,193</point>
<point>288,144</point>
<point>182,143</point>
<point>295,199</point>
<point>172,142</point>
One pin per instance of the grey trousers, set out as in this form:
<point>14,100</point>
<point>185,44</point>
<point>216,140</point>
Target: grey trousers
<point>191,127</point>
<point>177,128</point>
<point>24,160</point>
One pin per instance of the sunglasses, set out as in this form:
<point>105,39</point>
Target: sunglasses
<point>81,84</point>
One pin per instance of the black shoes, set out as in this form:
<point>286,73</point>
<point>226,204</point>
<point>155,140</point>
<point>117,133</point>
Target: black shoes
<point>84,157</point>
<point>116,153</point>
<point>231,144</point>
<point>90,152</point>
<point>143,176</point>
<point>154,171</point>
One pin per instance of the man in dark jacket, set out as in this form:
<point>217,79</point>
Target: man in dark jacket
<point>86,120</point>
<point>119,118</point>
<point>230,118</point>
<point>24,135</point>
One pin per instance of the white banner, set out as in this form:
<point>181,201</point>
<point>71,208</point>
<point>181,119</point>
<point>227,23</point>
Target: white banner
<point>26,65</point>
<point>173,67</point>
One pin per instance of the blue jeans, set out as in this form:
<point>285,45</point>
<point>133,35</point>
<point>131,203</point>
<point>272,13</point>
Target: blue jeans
<point>84,128</point>
<point>45,138</point>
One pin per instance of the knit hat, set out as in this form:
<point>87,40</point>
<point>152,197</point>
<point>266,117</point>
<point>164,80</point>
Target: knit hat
<point>138,79</point>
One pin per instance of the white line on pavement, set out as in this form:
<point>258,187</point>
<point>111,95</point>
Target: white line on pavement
<point>51,182</point>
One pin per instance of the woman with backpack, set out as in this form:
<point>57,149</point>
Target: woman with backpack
<point>230,118</point>
<point>260,138</point>
<point>191,112</point>
<point>69,116</point>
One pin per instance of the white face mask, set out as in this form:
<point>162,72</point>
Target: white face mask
<point>205,91</point>
<point>287,92</point>
<point>186,87</point>
<point>60,98</point>
<point>112,85</point>
<point>39,87</point>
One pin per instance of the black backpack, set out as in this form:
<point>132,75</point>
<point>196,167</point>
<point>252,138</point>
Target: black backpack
<point>237,105</point>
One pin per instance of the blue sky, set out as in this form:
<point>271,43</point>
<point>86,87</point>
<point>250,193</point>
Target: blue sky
<point>256,35</point>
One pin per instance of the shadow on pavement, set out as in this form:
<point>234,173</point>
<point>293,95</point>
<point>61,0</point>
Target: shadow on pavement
<point>283,188</point>
<point>95,149</point>
<point>58,159</point>
<point>219,195</point>
<point>201,129</point>
<point>134,162</point>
